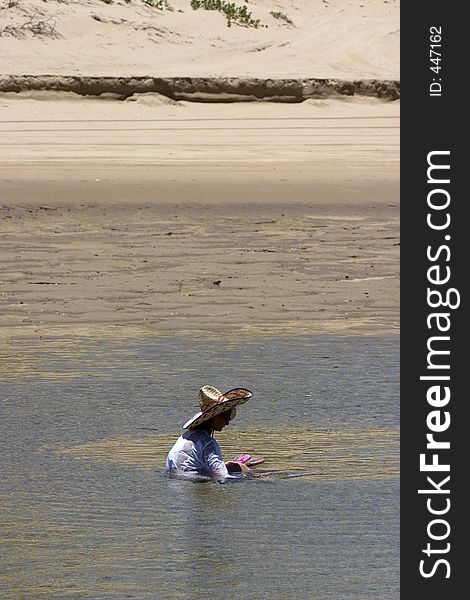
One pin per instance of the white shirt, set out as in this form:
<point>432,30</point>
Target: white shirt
<point>196,454</point>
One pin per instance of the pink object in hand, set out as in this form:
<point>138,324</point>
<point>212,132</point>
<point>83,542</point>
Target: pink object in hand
<point>249,461</point>
<point>243,458</point>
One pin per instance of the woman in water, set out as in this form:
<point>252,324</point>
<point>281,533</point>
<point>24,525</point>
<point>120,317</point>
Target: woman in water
<point>196,453</point>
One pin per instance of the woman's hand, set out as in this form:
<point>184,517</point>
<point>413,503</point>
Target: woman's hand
<point>236,467</point>
<point>244,468</point>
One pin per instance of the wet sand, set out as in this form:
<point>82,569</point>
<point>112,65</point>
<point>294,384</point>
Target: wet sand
<point>150,217</point>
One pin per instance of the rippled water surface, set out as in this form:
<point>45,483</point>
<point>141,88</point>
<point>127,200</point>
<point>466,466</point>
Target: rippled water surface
<point>85,428</point>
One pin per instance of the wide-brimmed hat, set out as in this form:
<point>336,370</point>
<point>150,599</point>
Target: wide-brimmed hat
<point>212,402</point>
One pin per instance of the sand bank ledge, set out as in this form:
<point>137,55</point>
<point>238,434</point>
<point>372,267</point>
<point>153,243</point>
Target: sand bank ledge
<point>205,89</point>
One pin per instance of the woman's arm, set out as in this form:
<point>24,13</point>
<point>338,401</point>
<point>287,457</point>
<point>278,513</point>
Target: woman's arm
<point>213,463</point>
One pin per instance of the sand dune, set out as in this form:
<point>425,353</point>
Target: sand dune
<point>345,39</point>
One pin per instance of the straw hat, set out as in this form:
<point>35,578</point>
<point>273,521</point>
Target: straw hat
<point>212,402</point>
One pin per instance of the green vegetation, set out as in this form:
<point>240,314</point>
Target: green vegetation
<point>160,4</point>
<point>281,16</point>
<point>234,14</point>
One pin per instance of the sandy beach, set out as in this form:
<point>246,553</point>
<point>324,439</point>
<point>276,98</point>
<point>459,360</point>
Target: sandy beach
<point>151,216</point>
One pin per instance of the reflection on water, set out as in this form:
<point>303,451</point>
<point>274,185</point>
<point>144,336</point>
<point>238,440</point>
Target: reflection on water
<point>86,514</point>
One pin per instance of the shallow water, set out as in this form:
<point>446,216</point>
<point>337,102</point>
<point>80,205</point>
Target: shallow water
<point>86,514</point>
